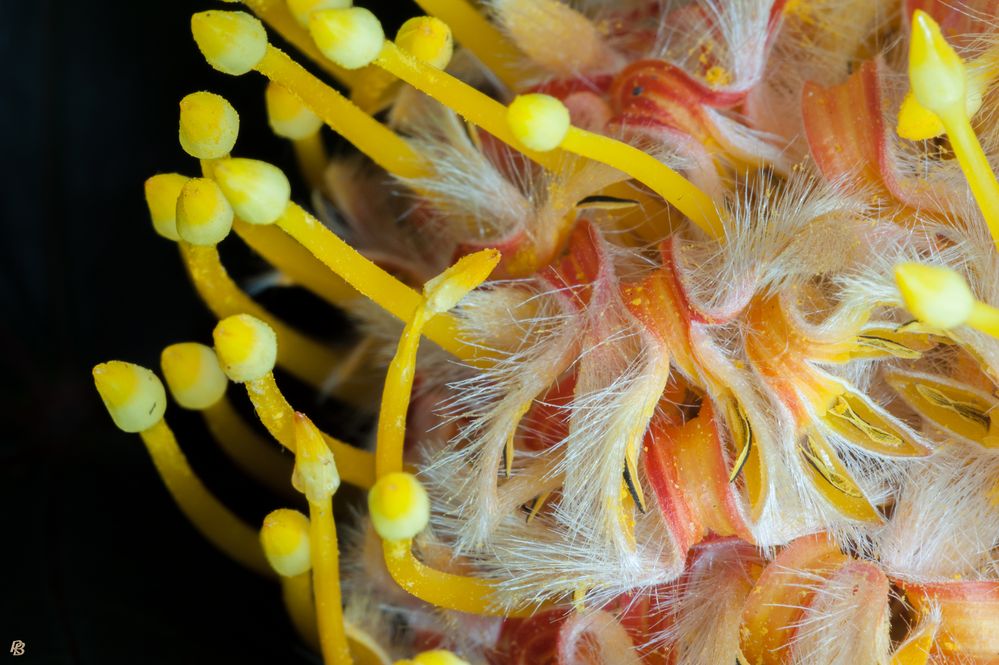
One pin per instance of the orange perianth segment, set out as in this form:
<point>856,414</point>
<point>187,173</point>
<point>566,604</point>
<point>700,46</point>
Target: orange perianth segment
<point>845,130</point>
<point>654,93</point>
<point>953,407</point>
<point>969,619</point>
<point>832,480</point>
<point>575,273</point>
<point>657,303</point>
<point>777,602</point>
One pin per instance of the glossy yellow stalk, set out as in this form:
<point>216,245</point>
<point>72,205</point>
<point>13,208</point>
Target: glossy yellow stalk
<point>136,401</point>
<point>439,295</point>
<point>275,13</point>
<point>312,159</point>
<point>370,281</point>
<point>197,382</point>
<point>284,537</point>
<point>294,261</point>
<point>256,456</point>
<point>542,122</point>
<point>246,348</point>
<point>474,31</point>
<point>316,476</point>
<point>328,29</point>
<point>290,118</point>
<point>378,142</point>
<point>303,357</point>
<point>941,298</point>
<point>938,79</point>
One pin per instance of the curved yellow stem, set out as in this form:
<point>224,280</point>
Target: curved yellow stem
<point>296,591</point>
<point>356,466</point>
<point>312,158</point>
<point>395,399</point>
<point>213,520</point>
<point>301,356</point>
<point>378,142</point>
<point>247,449</point>
<point>326,584</point>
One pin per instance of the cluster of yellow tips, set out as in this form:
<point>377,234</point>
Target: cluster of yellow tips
<point>945,95</point>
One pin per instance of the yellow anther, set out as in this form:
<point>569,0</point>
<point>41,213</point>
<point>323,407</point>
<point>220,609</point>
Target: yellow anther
<point>209,125</point>
<point>445,290</point>
<point>399,506</point>
<point>935,295</point>
<point>939,83</point>
<point>133,395</point>
<point>438,657</point>
<point>541,122</point>
<point>315,474</point>
<point>162,191</point>
<point>302,10</point>
<point>246,347</point>
<point>428,39</point>
<point>232,42</point>
<point>352,38</point>
<point>204,216</point>
<point>288,116</point>
<point>935,71</point>
<point>193,375</point>
<point>259,192</point>
<point>285,539</point>
<point>538,121</point>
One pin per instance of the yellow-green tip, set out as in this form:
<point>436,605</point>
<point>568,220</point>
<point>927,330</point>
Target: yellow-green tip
<point>133,395</point>
<point>448,288</point>
<point>936,72</point>
<point>350,37</point>
<point>232,42</point>
<point>246,347</point>
<point>398,506</point>
<point>204,216</point>
<point>259,192</point>
<point>285,539</point>
<point>193,375</point>
<point>427,38</point>
<point>162,192</point>
<point>287,115</point>
<point>937,296</point>
<point>209,125</point>
<point>315,473</point>
<point>538,121</point>
<point>302,10</point>
<point>438,657</point>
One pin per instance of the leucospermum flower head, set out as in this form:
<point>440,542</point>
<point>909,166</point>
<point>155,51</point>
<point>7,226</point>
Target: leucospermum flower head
<point>677,320</point>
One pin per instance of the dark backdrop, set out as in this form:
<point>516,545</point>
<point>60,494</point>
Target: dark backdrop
<point>96,563</point>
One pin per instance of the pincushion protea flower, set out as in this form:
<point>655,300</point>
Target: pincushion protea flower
<point>712,373</point>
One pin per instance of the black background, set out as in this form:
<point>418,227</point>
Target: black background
<point>96,563</point>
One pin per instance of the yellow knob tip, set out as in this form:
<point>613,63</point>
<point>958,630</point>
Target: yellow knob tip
<point>936,72</point>
<point>232,42</point>
<point>428,39</point>
<point>133,395</point>
<point>398,506</point>
<point>350,37</point>
<point>438,657</point>
<point>937,296</point>
<point>209,125</point>
<point>284,537</point>
<point>204,216</point>
<point>162,192</point>
<point>258,192</point>
<point>446,289</point>
<point>538,121</point>
<point>246,347</point>
<point>302,10</point>
<point>288,116</point>
<point>315,474</point>
<point>193,375</point>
